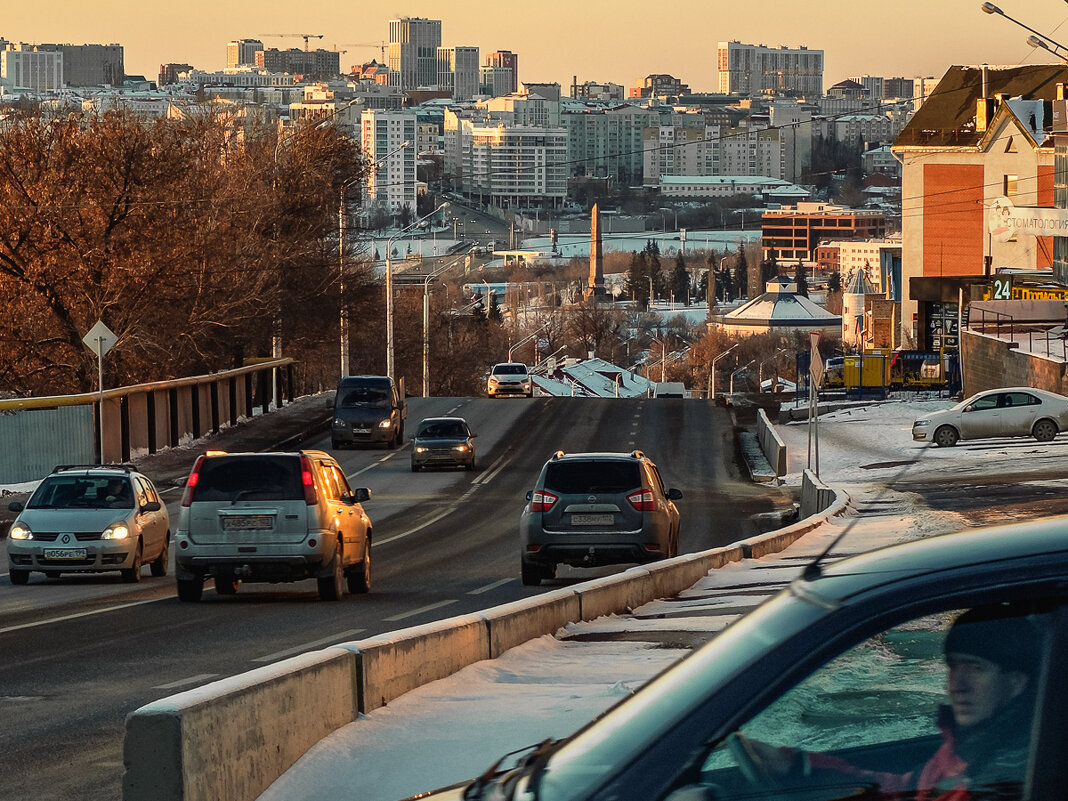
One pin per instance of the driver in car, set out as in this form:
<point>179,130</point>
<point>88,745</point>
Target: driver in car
<point>991,658</point>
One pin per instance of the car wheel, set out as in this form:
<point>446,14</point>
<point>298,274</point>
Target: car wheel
<point>190,589</point>
<point>1044,430</point>
<point>19,576</point>
<point>159,565</point>
<point>530,573</point>
<point>226,585</point>
<point>332,586</point>
<point>132,574</point>
<point>359,577</point>
<point>946,436</point>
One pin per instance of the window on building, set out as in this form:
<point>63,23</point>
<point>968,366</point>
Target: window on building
<point>1010,186</point>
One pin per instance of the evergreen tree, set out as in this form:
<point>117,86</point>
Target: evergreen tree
<point>834,282</point>
<point>636,284</point>
<point>680,280</point>
<point>725,285</point>
<point>800,279</point>
<point>741,273</point>
<point>494,312</point>
<point>769,269</point>
<point>655,276</point>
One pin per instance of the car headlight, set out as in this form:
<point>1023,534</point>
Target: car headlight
<point>116,531</point>
<point>460,448</point>
<point>20,531</point>
<point>493,382</point>
<point>385,423</point>
<point>339,422</point>
<point>921,423</point>
<point>420,449</point>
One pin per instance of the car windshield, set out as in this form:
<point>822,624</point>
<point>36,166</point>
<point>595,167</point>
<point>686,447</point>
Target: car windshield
<point>510,369</point>
<point>372,397</point>
<point>82,492</point>
<point>581,477</point>
<point>444,430</point>
<point>233,478</point>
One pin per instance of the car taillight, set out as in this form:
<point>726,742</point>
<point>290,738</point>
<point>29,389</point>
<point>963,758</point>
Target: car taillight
<point>191,482</point>
<point>642,500</point>
<point>542,501</point>
<point>311,497</point>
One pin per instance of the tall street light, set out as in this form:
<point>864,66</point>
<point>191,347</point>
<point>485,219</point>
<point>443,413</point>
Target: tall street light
<point>426,321</point>
<point>390,371</point>
<point>712,371</point>
<point>344,322</point>
<point>739,370</point>
<point>760,368</point>
<point>1038,40</point>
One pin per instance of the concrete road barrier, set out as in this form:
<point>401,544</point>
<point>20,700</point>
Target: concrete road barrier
<point>230,740</point>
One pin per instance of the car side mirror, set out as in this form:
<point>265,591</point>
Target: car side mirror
<point>361,494</point>
<point>530,494</point>
<point>472,435</point>
<point>674,494</point>
<point>15,506</point>
<point>969,408</point>
<point>151,506</point>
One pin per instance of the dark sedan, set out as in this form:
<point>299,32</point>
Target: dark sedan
<point>443,442</point>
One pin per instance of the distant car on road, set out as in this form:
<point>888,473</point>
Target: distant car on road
<point>1007,412</point>
<point>90,519</point>
<point>443,442</point>
<point>589,509</point>
<point>368,409</point>
<point>509,378</point>
<point>272,517</point>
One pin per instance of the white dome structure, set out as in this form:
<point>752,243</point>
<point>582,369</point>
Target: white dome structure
<point>779,310</point>
<point>857,286</point>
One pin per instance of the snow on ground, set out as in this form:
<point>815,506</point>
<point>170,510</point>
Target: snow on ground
<point>455,728</point>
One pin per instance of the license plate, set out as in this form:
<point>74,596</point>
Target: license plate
<point>247,522</point>
<point>361,431</point>
<point>592,520</point>
<point>65,553</point>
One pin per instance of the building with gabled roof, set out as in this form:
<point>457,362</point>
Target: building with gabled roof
<point>984,133</point>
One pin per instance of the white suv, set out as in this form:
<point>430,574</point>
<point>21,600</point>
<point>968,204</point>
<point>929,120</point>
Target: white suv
<point>509,378</point>
<point>272,517</point>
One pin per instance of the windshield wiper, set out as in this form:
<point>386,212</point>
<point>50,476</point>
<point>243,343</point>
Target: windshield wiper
<point>504,782</point>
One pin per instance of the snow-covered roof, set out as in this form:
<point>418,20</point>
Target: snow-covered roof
<point>593,378</point>
<point>779,307</point>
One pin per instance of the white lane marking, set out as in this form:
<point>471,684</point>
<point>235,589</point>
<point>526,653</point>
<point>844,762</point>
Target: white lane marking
<point>77,615</point>
<point>420,527</point>
<point>420,611</point>
<point>299,649</point>
<point>183,682</point>
<point>489,587</point>
<point>373,464</point>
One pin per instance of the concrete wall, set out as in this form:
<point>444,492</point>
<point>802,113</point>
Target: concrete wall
<point>772,445</point>
<point>989,363</point>
<point>229,740</point>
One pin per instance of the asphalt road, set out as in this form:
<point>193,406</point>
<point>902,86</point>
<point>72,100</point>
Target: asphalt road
<point>79,653</point>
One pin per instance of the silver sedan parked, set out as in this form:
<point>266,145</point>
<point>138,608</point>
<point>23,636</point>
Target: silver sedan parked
<point>1006,412</point>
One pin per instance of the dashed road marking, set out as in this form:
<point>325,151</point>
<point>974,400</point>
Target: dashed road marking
<point>420,611</point>
<point>308,646</point>
<point>489,587</point>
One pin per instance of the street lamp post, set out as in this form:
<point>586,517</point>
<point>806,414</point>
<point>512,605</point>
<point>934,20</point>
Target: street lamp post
<point>1036,39</point>
<point>390,370</point>
<point>344,318</point>
<point>712,372</point>
<point>739,370</point>
<point>760,368</point>
<point>426,324</point>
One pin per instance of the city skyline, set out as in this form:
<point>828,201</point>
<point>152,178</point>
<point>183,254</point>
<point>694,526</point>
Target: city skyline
<point>909,39</point>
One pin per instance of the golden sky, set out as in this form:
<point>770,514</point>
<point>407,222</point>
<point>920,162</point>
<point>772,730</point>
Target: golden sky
<point>618,41</point>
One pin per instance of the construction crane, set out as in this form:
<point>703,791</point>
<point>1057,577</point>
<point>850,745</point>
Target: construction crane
<point>304,36</point>
<point>380,44</point>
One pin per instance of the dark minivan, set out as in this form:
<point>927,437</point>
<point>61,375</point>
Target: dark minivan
<point>368,409</point>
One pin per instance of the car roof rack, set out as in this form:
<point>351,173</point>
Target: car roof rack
<point>128,468</point>
<point>637,454</point>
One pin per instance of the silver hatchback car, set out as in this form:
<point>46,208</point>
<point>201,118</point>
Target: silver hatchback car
<point>589,509</point>
<point>90,519</point>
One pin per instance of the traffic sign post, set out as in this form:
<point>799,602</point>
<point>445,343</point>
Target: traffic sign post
<point>815,372</point>
<point>100,340</point>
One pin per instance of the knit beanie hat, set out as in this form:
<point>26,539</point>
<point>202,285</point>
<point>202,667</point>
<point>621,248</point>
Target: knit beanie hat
<point>999,634</point>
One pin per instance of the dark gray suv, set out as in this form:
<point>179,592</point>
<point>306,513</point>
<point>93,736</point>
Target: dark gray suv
<point>589,509</point>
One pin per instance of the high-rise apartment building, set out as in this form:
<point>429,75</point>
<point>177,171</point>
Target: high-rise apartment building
<point>874,85</point>
<point>509,60</point>
<point>27,67</point>
<point>323,63</point>
<point>242,52</point>
<point>391,184</point>
<point>412,57</point>
<point>750,70</point>
<point>495,81</point>
<point>458,71</point>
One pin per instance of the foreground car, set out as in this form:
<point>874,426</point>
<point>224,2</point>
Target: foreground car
<point>589,509</point>
<point>848,663</point>
<point>443,442</point>
<point>1008,412</point>
<point>90,519</point>
<point>272,517</point>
